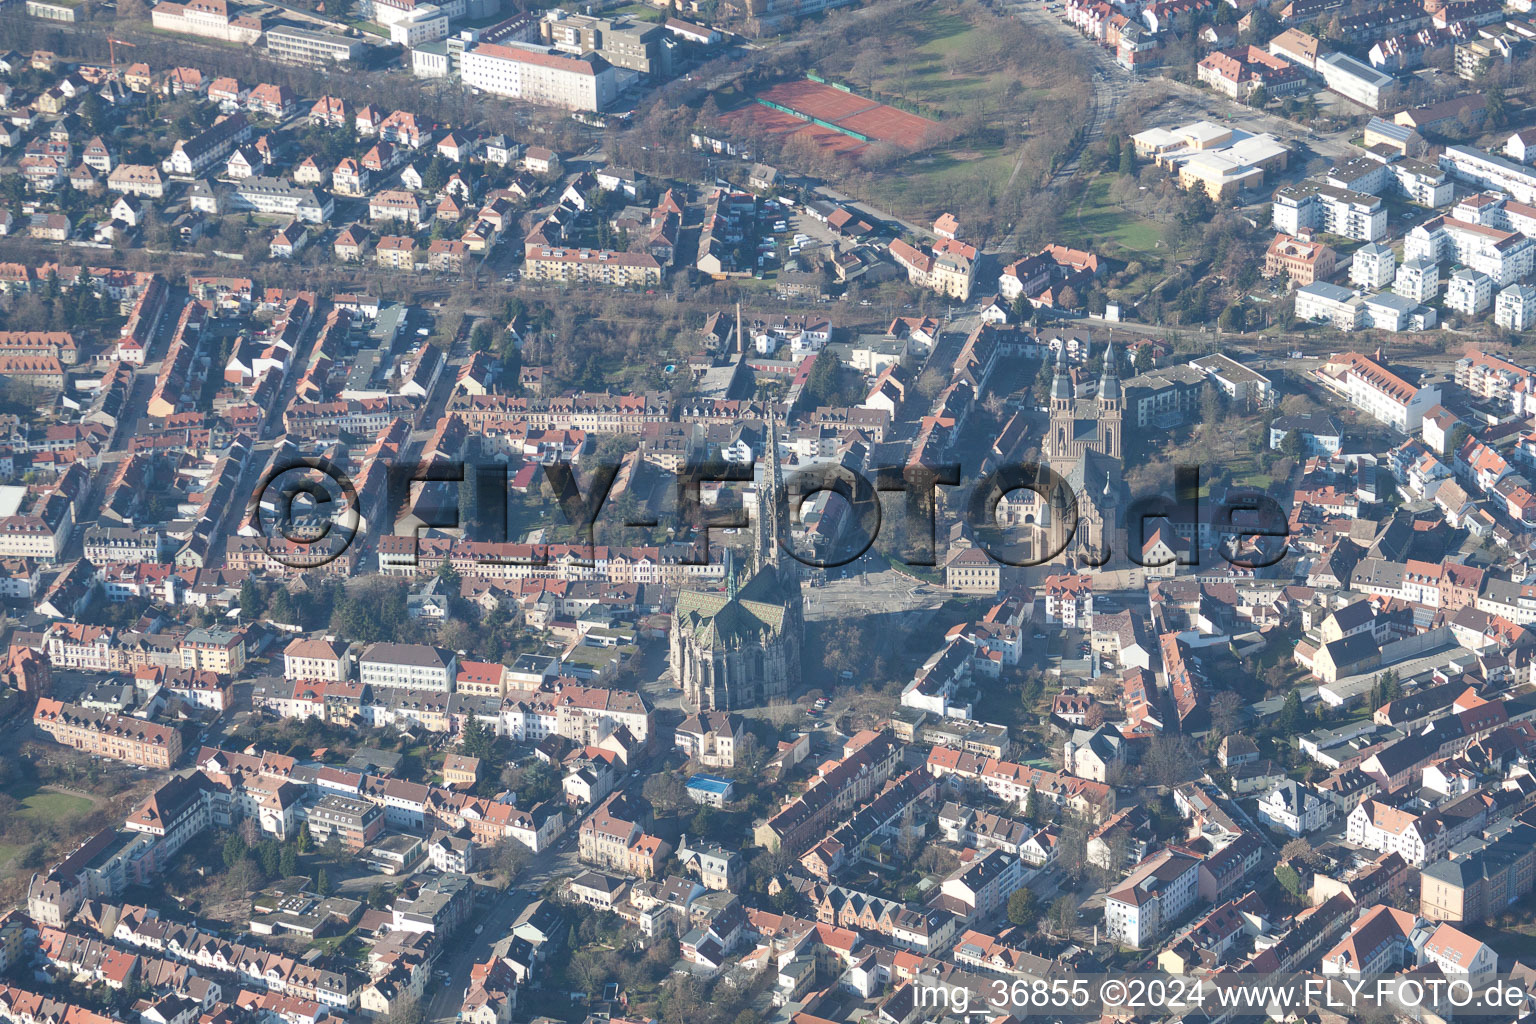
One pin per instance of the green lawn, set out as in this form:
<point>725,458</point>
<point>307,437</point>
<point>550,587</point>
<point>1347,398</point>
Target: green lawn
<point>42,804</point>
<point>968,171</point>
<point>371,27</point>
<point>55,805</point>
<point>931,73</point>
<point>1098,223</point>
<point>638,11</point>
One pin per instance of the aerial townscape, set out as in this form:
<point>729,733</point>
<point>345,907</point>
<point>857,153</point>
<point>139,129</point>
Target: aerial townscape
<point>767,511</point>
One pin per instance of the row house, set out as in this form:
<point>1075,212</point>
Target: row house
<point>611,837</point>
<point>867,762</point>
<point>194,157</point>
<point>115,737</point>
<point>1018,784</point>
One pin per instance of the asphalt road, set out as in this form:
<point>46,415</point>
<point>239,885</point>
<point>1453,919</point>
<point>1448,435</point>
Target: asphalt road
<point>1110,84</point>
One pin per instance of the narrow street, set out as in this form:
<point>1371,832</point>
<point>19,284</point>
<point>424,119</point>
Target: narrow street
<point>495,920</point>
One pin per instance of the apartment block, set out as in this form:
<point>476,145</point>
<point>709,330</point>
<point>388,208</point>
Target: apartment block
<point>1469,292</point>
<point>1334,304</point>
<point>413,666</point>
<point>1505,256</point>
<point>116,737</point>
<point>1418,279</point>
<point>1316,206</point>
<point>1152,898</point>
<point>1475,167</point>
<point>1372,267</point>
<point>350,821</point>
<point>214,650</point>
<point>574,82</point>
<point>591,266</point>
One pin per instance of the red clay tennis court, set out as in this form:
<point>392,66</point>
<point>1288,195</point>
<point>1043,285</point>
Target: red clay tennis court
<point>776,122</point>
<point>846,111</point>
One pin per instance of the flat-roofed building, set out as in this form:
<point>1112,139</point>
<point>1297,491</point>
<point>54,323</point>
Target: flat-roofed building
<point>1318,206</point>
<point>643,47</point>
<point>1164,397</point>
<point>1238,382</point>
<point>301,46</point>
<point>1218,159</point>
<point>1475,167</point>
<point>1356,81</point>
<point>353,822</point>
<point>1334,304</point>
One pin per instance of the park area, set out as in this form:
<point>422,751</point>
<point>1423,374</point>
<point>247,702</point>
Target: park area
<point>34,819</point>
<point>948,106</point>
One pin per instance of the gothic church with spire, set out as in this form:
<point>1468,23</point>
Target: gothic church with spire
<point>741,646</point>
<point>1083,446</point>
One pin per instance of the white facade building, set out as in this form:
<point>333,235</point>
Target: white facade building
<point>1293,809</point>
<point>1418,279</point>
<point>1322,302</point>
<point>1384,395</point>
<point>416,666</point>
<point>1356,81</point>
<point>1372,267</point>
<point>1469,292</point>
<point>1154,896</point>
<point>1515,309</point>
<point>1505,256</point>
<point>541,76</point>
<point>1390,312</point>
<point>1475,167</point>
<point>1316,206</point>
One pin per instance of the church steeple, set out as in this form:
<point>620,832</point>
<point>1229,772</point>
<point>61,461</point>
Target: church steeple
<point>1109,380</point>
<point>770,494</point>
<point>1058,442</point>
<point>1061,385</point>
<point>1111,403</point>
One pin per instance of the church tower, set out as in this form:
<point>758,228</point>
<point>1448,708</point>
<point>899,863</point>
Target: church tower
<point>772,505</point>
<point>1059,443</point>
<point>1111,404</point>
